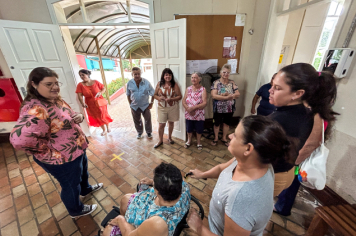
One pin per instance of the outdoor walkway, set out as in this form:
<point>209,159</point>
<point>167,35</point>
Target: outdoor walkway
<point>30,204</point>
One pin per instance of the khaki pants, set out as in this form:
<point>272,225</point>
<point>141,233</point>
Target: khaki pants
<point>282,181</point>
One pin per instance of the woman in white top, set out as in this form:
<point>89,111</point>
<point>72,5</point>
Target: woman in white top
<point>167,94</point>
<point>242,200</point>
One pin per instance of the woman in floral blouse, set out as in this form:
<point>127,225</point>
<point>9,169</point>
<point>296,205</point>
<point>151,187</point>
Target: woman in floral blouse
<point>49,130</point>
<point>224,91</point>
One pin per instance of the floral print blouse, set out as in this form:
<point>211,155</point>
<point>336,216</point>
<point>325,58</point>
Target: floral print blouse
<point>224,106</point>
<point>48,132</point>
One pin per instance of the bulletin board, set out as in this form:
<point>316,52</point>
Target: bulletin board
<point>205,37</point>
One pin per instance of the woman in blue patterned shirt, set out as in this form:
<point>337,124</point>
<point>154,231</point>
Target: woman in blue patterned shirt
<point>155,211</point>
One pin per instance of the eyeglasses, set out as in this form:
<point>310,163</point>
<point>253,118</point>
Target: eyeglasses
<point>50,85</point>
<point>226,72</point>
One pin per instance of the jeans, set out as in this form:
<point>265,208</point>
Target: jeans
<point>286,198</point>
<point>73,178</point>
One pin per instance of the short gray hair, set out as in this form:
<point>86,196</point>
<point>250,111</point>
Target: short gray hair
<point>226,66</point>
<point>198,74</point>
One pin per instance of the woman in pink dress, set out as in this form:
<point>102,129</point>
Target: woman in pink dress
<point>194,101</point>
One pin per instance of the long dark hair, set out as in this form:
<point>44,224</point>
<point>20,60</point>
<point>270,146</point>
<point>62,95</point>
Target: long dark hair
<point>162,81</point>
<point>269,139</point>
<point>320,90</point>
<point>36,76</point>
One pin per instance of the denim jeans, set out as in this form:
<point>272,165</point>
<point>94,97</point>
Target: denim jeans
<point>73,178</point>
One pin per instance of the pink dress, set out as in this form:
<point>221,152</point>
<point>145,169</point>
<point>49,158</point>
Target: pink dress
<point>195,98</point>
<point>49,133</point>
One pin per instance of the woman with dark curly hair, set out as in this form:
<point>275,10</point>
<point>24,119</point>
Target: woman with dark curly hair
<point>167,94</point>
<point>49,130</point>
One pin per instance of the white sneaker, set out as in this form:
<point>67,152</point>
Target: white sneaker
<point>139,136</point>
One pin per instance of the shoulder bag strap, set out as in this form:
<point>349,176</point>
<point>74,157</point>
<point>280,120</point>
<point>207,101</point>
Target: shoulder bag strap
<point>322,140</point>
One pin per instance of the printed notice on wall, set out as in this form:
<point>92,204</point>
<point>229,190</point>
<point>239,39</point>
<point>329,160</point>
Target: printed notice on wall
<point>233,64</point>
<point>229,47</point>
<point>202,66</point>
<point>240,19</point>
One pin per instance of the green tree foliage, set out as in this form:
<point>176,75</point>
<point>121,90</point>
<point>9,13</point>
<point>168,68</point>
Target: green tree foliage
<point>114,86</point>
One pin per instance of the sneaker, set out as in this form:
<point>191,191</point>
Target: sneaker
<point>94,188</point>
<point>139,136</point>
<point>87,209</point>
<point>149,135</point>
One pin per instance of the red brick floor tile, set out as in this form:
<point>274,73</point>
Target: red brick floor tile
<point>49,227</point>
<point>53,198</point>
<point>31,179</point>
<point>24,165</point>
<point>7,216</point>
<point>108,172</point>
<point>208,190</point>
<point>132,180</point>
<point>27,172</point>
<point>123,163</point>
<point>120,171</point>
<point>48,187</point>
<point>96,173</point>
<point>144,168</point>
<point>38,200</point>
<point>126,188</point>
<point>33,189</point>
<point>100,165</point>
<point>133,170</point>
<point>87,225</point>
<point>113,191</point>
<point>4,191</point>
<point>203,197</point>
<point>104,180</point>
<point>6,203</point>
<point>93,158</point>
<point>39,171</point>
<point>107,203</point>
<point>117,180</point>
<point>12,166</point>
<point>22,202</point>
<point>16,181</point>
<point>14,173</point>
<point>25,215</point>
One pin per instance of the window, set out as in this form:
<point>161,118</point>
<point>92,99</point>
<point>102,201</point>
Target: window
<point>334,12</point>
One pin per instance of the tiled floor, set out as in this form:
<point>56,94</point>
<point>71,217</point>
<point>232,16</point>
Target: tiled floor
<point>29,198</point>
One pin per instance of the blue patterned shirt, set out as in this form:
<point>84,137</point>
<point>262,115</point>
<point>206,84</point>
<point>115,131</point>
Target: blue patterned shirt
<point>139,96</point>
<point>143,207</point>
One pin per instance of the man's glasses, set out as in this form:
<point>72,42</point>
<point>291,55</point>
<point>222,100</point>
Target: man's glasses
<point>50,85</point>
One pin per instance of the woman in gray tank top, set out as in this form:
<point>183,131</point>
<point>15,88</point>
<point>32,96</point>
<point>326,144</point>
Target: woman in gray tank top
<point>242,200</point>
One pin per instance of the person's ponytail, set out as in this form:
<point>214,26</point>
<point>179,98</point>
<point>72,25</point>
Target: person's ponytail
<point>320,89</point>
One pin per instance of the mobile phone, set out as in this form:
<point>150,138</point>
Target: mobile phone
<point>222,90</point>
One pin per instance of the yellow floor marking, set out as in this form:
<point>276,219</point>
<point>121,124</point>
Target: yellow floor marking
<point>117,157</point>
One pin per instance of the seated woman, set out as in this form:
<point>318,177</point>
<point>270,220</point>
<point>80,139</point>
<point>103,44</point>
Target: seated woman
<point>242,200</point>
<point>155,211</point>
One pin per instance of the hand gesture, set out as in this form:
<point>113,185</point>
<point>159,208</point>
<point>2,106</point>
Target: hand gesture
<point>150,106</point>
<point>85,106</point>
<point>253,110</point>
<point>194,221</point>
<point>147,181</point>
<point>168,100</point>
<point>161,98</point>
<point>230,97</point>
<point>98,94</point>
<point>197,174</point>
<point>78,118</point>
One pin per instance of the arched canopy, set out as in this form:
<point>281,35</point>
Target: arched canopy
<point>110,38</point>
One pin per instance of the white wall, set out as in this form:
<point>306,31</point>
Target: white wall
<point>257,15</point>
<point>341,166</point>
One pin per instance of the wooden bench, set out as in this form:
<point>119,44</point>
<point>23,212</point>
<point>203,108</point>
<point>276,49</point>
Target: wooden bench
<point>335,213</point>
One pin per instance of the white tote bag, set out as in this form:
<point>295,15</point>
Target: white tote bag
<point>312,171</point>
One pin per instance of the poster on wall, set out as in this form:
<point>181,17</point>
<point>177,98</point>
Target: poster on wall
<point>233,63</point>
<point>229,47</point>
<point>202,66</point>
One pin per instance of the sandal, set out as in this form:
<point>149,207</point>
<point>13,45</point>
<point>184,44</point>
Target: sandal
<point>226,143</point>
<point>187,145</point>
<point>170,141</point>
<point>213,143</point>
<point>157,145</point>
<point>200,147</point>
